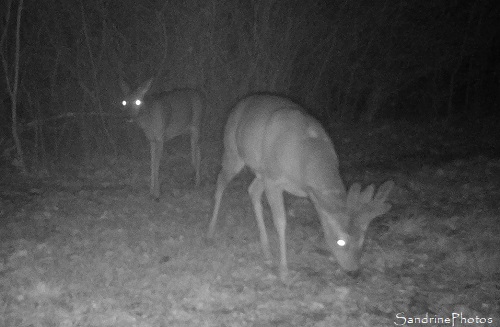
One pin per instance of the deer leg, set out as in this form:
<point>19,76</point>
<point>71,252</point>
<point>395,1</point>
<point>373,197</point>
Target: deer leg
<point>255,190</point>
<point>231,165</point>
<point>274,196</point>
<point>156,154</point>
<point>195,154</point>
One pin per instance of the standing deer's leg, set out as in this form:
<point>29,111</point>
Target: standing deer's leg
<point>275,198</point>
<point>195,153</point>
<point>255,190</point>
<point>156,154</point>
<point>232,164</point>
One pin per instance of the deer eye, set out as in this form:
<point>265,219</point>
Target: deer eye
<point>341,243</point>
<point>138,102</point>
<point>124,103</point>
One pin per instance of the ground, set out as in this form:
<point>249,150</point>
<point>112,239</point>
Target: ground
<point>89,247</point>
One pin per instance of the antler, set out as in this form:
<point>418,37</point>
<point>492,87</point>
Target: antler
<point>367,206</point>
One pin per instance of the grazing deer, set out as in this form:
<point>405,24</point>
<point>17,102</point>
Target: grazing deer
<point>289,150</point>
<point>163,116</point>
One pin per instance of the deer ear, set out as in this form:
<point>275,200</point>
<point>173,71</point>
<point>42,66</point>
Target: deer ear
<point>124,86</point>
<point>145,87</point>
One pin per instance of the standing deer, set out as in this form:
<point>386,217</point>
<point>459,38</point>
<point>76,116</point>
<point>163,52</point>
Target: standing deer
<point>163,116</point>
<point>289,150</point>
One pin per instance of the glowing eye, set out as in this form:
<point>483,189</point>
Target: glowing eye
<point>341,243</point>
<point>124,103</point>
<point>138,102</point>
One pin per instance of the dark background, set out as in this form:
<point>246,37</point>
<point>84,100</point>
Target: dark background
<point>344,61</point>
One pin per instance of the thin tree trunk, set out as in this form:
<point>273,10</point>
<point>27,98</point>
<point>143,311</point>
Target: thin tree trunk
<point>13,95</point>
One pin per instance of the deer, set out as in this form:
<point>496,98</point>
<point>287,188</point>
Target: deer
<point>163,116</point>
<point>289,150</point>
